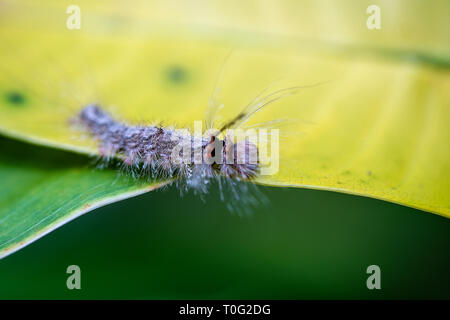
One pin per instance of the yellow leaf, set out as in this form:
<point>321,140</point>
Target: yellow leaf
<point>378,128</point>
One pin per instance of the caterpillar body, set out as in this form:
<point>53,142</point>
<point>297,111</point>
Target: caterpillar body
<point>152,149</point>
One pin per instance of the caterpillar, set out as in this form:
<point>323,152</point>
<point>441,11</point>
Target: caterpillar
<point>155,151</point>
<point>151,148</point>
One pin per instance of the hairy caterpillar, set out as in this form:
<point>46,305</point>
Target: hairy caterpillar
<point>152,149</point>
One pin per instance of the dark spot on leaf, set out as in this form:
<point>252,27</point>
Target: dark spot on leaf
<point>15,98</point>
<point>177,74</point>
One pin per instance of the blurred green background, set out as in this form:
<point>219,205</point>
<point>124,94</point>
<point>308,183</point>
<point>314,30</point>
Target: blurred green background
<point>305,244</point>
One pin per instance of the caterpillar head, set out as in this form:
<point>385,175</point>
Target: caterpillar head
<point>234,160</point>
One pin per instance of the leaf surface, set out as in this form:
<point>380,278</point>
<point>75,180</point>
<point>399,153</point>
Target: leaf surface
<point>378,128</point>
<point>42,189</point>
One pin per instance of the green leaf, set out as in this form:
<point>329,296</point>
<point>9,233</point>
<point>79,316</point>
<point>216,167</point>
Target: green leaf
<point>42,189</point>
